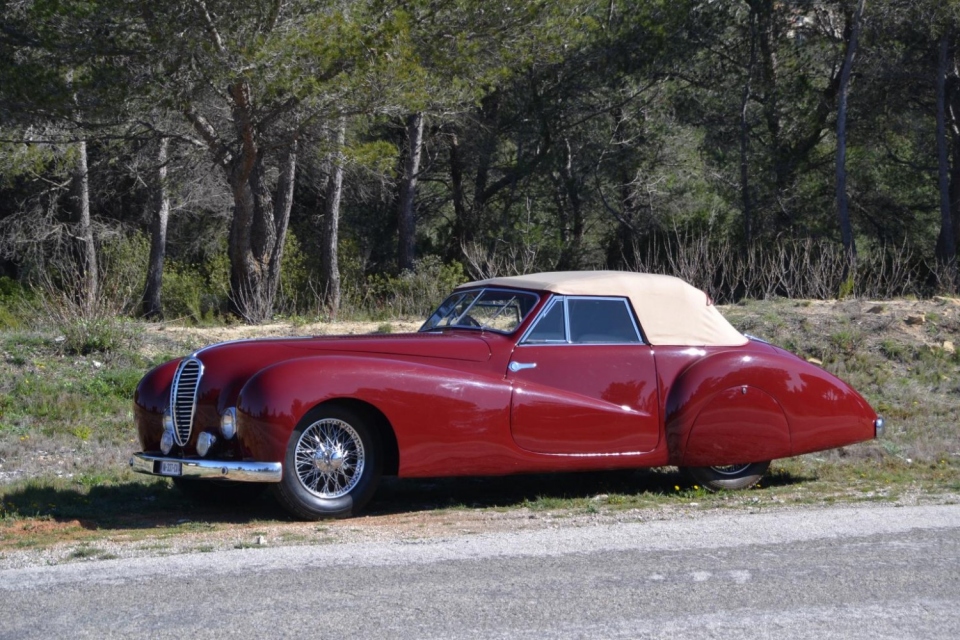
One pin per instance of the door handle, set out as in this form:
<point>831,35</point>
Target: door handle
<point>520,366</point>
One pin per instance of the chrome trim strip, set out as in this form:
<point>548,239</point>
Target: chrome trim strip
<point>233,470</point>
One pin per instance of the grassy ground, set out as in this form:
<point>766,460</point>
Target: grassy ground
<point>66,434</point>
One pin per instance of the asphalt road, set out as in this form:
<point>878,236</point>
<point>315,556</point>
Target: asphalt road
<point>870,572</point>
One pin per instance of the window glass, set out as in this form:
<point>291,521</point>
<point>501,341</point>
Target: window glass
<point>601,320</point>
<point>550,327</point>
<point>493,309</point>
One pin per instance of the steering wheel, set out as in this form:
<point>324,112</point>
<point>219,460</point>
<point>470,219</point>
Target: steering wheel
<point>468,321</point>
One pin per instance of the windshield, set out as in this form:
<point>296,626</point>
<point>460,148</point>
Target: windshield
<point>491,309</point>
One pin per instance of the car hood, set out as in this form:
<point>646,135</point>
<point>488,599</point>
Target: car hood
<point>452,346</point>
<point>228,365</point>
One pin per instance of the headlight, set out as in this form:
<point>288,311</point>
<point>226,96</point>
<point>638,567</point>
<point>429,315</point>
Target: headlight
<point>204,442</point>
<point>228,423</point>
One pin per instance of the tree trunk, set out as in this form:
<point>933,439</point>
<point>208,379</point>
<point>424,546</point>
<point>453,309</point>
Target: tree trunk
<point>283,200</point>
<point>160,214</point>
<point>954,115</point>
<point>463,229</point>
<point>946,247</point>
<point>745,136</point>
<point>252,208</point>
<point>330,233</point>
<point>843,209</point>
<point>572,226</point>
<point>408,192</point>
<point>85,247</point>
<point>259,225</point>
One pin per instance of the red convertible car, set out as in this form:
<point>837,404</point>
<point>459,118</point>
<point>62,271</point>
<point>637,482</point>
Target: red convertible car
<point>555,371</point>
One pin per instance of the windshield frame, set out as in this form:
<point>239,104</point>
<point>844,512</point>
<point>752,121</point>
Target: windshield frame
<point>447,311</point>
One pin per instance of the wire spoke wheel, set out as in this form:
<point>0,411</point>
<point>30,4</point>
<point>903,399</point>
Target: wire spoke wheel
<point>329,458</point>
<point>730,476</point>
<point>731,470</point>
<point>332,464</point>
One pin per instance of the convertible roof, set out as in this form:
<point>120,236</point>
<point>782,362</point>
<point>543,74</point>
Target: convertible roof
<point>670,311</point>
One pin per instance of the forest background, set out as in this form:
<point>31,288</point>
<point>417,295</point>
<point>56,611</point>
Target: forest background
<point>198,159</point>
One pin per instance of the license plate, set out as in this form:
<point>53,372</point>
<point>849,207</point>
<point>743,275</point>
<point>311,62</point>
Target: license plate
<point>168,468</point>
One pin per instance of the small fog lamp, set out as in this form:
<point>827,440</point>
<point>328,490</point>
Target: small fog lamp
<point>166,441</point>
<point>228,423</point>
<point>167,421</point>
<point>204,442</point>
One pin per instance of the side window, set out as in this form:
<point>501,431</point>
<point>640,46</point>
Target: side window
<point>601,320</point>
<point>550,327</point>
<point>584,320</point>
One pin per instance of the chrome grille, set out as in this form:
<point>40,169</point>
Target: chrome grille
<point>183,398</point>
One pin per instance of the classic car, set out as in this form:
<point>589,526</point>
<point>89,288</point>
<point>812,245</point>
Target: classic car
<point>559,371</point>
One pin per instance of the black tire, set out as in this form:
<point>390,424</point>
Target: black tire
<point>216,492</point>
<point>734,476</point>
<point>332,465</point>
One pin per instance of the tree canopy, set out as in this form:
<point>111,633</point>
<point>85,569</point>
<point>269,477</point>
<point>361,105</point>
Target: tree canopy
<point>272,149</point>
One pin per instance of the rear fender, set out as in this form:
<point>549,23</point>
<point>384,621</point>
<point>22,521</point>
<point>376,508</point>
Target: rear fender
<point>735,407</point>
<point>722,410</point>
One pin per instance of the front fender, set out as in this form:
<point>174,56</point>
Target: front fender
<point>150,400</point>
<point>442,418</point>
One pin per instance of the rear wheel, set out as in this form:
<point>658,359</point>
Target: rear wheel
<point>332,465</point>
<point>732,476</point>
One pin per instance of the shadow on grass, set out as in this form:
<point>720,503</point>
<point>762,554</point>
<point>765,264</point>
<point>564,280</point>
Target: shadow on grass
<point>157,504</point>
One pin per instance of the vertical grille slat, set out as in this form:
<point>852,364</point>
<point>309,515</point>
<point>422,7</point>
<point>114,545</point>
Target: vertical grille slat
<point>183,398</point>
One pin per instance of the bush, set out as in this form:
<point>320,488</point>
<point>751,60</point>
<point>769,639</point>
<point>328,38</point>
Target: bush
<point>188,295</point>
<point>412,293</point>
<point>83,336</point>
<point>123,269</point>
<point>295,295</point>
<point>12,298</point>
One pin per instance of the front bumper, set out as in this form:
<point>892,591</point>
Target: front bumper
<point>232,470</point>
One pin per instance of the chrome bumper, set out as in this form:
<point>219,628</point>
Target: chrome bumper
<point>232,470</point>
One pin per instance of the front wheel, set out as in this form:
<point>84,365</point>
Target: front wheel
<point>733,476</point>
<point>332,465</point>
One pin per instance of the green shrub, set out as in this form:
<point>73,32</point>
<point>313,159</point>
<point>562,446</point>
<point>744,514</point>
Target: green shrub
<point>183,292</point>
<point>123,268</point>
<point>196,293</point>
<point>83,336</point>
<point>412,293</point>
<point>294,295</point>
<point>10,293</point>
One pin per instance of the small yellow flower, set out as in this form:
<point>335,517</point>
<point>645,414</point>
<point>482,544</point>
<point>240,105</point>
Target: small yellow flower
<point>676,488</point>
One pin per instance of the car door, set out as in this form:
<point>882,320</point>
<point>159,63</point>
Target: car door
<point>584,382</point>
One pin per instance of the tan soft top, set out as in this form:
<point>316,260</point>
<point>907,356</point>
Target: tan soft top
<point>670,311</point>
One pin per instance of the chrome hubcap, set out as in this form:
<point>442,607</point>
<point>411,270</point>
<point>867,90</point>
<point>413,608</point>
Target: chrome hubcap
<point>328,461</point>
<point>329,458</point>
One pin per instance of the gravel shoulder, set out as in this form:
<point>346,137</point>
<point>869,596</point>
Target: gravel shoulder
<point>202,535</point>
